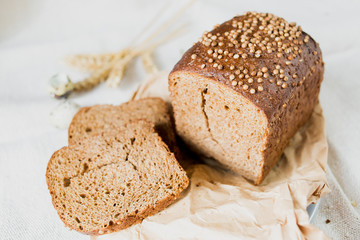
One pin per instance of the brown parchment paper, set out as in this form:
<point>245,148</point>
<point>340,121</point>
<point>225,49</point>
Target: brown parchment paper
<point>221,205</point>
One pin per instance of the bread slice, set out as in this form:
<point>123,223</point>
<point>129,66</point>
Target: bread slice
<point>93,120</point>
<point>243,90</point>
<point>113,180</point>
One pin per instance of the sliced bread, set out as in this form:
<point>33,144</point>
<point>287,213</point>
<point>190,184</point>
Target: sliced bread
<point>113,180</point>
<point>93,120</point>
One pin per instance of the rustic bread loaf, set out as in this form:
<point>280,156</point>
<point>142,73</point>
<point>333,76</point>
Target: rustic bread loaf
<point>114,179</point>
<point>93,120</point>
<point>243,90</point>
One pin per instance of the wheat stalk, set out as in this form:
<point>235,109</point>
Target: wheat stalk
<point>111,67</point>
<point>148,63</point>
<point>92,62</point>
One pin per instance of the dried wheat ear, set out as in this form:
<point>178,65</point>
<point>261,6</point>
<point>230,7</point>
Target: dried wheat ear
<point>111,67</point>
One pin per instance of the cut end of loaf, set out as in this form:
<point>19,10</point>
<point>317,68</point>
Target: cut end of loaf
<point>114,180</point>
<point>219,123</point>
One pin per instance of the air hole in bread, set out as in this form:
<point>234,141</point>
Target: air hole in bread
<point>88,130</point>
<point>111,223</point>
<point>132,140</point>
<point>226,107</point>
<point>67,182</point>
<point>77,219</point>
<point>85,168</point>
<point>82,195</point>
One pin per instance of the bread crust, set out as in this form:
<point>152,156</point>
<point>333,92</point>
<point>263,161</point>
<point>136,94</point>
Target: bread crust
<point>287,107</point>
<point>270,100</point>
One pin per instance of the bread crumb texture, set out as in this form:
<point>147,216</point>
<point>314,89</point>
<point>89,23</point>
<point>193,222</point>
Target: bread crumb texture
<point>93,120</point>
<point>113,180</point>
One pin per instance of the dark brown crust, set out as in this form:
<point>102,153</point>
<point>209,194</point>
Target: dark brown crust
<point>286,109</point>
<point>272,97</point>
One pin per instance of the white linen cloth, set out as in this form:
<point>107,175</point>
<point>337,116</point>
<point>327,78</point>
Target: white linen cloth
<point>35,35</point>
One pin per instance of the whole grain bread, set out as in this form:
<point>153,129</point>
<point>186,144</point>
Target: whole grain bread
<point>93,120</point>
<point>113,180</point>
<point>243,90</point>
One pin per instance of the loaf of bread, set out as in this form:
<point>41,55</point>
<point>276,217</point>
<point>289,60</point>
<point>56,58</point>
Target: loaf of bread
<point>114,179</point>
<point>243,90</point>
<point>93,120</point>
